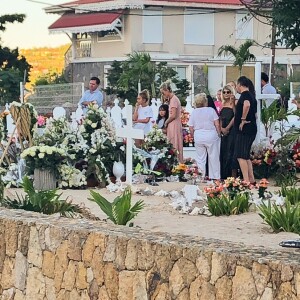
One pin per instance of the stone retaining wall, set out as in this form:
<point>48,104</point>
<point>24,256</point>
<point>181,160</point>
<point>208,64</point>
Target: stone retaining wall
<point>46,257</point>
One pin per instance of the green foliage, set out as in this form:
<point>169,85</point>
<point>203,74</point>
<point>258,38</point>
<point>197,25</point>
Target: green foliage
<point>226,205</point>
<point>46,202</point>
<point>10,19</point>
<point>12,65</point>
<point>284,15</point>
<point>50,78</point>
<point>291,194</point>
<point>285,178</point>
<point>241,54</point>
<point>120,210</point>
<point>124,77</point>
<point>281,218</point>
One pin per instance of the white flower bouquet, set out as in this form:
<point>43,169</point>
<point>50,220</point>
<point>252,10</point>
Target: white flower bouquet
<point>43,157</point>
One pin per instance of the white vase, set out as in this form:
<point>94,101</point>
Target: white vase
<point>118,171</point>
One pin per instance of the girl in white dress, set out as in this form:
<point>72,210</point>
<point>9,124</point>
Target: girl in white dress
<point>142,113</point>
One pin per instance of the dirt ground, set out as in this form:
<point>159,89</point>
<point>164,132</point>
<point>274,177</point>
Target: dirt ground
<point>160,216</point>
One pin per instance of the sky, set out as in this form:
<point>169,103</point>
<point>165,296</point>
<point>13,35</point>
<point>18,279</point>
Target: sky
<point>33,32</point>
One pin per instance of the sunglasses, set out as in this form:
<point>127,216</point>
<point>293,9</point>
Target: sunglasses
<point>226,92</point>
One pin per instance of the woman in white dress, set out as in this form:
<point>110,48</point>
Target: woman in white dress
<point>205,129</point>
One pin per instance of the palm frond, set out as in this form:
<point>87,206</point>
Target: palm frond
<point>227,50</point>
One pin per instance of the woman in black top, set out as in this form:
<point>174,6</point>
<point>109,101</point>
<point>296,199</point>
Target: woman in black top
<point>245,127</point>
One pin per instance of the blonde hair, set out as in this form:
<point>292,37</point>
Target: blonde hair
<point>232,84</point>
<point>200,100</point>
<point>229,88</point>
<point>167,86</point>
<point>145,95</point>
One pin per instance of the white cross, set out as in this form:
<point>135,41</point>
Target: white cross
<point>129,133</point>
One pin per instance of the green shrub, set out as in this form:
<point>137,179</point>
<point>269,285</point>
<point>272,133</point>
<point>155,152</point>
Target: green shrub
<point>46,202</point>
<point>120,210</point>
<point>226,205</point>
<point>281,218</point>
<point>291,194</point>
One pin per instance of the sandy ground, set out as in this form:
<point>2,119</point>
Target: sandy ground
<point>160,216</point>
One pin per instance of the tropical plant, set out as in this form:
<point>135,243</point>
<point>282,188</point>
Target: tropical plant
<point>241,54</point>
<point>226,205</point>
<point>125,77</point>
<point>120,211</point>
<point>47,202</point>
<point>281,218</point>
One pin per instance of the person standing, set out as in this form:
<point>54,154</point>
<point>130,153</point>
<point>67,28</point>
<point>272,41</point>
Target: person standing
<point>245,127</point>
<point>205,129</point>
<point>227,138</point>
<point>92,96</point>
<point>163,115</point>
<point>218,101</point>
<point>143,112</point>
<point>266,87</point>
<point>173,123</point>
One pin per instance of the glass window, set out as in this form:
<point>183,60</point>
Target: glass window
<point>181,72</point>
<point>199,27</point>
<point>152,27</point>
<point>244,26</point>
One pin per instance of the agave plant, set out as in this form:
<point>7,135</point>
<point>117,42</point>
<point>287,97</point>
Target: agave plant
<point>120,210</point>
<point>281,218</point>
<point>47,202</point>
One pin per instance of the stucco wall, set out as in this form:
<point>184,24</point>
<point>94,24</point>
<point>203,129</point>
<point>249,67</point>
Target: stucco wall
<point>46,257</point>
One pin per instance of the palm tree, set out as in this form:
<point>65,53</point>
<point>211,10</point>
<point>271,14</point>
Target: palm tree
<point>240,54</point>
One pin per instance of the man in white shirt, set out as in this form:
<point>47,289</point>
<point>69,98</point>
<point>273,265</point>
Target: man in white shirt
<point>267,88</point>
<point>92,95</point>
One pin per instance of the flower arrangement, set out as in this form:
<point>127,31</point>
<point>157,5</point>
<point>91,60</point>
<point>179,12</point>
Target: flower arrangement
<point>100,135</point>
<point>185,116</point>
<point>214,190</point>
<point>167,158</point>
<point>235,186</point>
<point>71,177</point>
<point>192,172</point>
<point>41,121</point>
<point>296,155</point>
<point>179,170</point>
<point>264,161</point>
<point>188,140</point>
<point>43,157</point>
<point>229,198</point>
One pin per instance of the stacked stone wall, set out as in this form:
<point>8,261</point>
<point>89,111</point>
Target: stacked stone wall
<point>48,257</point>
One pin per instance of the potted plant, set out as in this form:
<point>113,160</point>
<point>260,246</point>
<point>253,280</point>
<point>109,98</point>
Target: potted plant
<point>43,163</point>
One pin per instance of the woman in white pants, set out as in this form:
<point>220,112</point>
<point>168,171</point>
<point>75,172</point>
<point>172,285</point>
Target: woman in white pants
<point>205,128</point>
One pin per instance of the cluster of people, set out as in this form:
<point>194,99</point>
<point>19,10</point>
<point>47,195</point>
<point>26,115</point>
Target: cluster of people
<point>223,137</point>
<point>223,130</point>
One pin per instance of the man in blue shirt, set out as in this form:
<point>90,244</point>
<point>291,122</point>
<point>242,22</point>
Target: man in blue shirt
<point>91,96</point>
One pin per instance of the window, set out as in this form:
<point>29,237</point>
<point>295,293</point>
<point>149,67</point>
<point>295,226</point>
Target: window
<point>181,72</point>
<point>243,26</point>
<point>152,27</point>
<point>199,27</point>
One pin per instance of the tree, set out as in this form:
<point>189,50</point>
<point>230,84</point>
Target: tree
<point>12,65</point>
<point>50,78</point>
<point>241,54</point>
<point>124,77</point>
<point>281,14</point>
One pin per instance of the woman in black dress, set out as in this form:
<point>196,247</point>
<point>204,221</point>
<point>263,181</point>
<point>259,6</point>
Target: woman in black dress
<point>227,138</point>
<point>245,127</point>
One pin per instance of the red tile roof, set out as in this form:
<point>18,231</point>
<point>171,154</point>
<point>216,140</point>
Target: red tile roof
<point>230,2</point>
<point>69,20</point>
